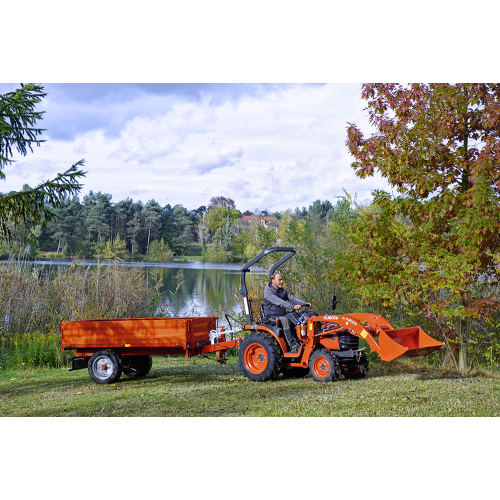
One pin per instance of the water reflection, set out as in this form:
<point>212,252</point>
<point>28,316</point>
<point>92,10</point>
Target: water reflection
<point>188,288</point>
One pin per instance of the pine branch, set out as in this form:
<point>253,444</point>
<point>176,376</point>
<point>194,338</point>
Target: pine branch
<point>18,122</point>
<point>32,207</point>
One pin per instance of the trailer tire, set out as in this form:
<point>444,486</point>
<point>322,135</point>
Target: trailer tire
<point>324,366</point>
<point>104,367</point>
<point>138,366</point>
<point>355,370</point>
<point>260,357</point>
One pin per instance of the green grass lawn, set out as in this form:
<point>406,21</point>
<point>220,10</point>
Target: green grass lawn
<point>197,387</point>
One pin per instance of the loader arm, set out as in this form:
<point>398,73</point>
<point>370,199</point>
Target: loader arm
<point>392,342</point>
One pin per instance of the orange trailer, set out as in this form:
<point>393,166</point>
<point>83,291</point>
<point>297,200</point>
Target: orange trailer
<point>110,347</point>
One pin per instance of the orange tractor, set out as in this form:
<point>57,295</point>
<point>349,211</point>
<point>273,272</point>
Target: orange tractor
<point>329,342</point>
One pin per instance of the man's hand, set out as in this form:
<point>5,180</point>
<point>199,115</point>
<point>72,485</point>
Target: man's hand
<point>298,307</point>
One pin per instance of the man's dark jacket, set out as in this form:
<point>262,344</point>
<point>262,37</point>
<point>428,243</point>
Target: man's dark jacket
<point>277,301</point>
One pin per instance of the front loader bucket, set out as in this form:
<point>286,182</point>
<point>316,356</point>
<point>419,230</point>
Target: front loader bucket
<point>406,343</point>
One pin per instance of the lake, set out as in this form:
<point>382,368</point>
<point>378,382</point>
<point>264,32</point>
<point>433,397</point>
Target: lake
<point>189,288</point>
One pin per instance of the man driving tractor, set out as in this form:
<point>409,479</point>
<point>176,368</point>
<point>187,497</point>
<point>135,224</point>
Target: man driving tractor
<point>276,301</point>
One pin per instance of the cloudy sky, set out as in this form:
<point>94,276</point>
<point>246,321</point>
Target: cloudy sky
<point>274,146</point>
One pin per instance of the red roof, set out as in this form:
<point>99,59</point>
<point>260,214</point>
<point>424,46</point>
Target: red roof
<point>248,218</point>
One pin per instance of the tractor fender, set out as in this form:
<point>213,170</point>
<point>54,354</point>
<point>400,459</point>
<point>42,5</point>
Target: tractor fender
<point>268,331</point>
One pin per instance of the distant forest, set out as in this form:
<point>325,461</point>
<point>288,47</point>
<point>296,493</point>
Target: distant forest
<point>96,226</point>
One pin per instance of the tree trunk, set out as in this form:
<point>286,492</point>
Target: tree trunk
<point>462,354</point>
<point>147,249</point>
<point>465,173</point>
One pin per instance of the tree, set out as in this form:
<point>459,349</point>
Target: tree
<point>168,224</point>
<point>341,211</point>
<point>300,214</point>
<point>183,232</point>
<point>98,215</point>
<point>136,230</point>
<point>115,249</point>
<point>241,241</point>
<point>152,215</point>
<point>286,220</point>
<point>66,227</point>
<point>222,220</point>
<point>221,201</point>
<point>435,244</point>
<point>159,251</point>
<point>124,212</point>
<point>202,228</point>
<point>18,130</point>
<point>319,210</point>
<point>266,236</point>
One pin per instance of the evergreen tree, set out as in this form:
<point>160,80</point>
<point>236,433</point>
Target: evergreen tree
<point>18,129</point>
<point>183,232</point>
<point>136,230</point>
<point>152,215</point>
<point>97,219</point>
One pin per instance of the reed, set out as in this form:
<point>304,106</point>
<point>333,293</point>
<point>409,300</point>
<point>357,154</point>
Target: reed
<point>35,298</point>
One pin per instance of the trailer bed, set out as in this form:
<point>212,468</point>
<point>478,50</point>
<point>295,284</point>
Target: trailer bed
<point>184,333</point>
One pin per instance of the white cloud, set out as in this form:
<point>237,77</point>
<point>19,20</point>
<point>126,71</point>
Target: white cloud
<point>278,150</point>
<point>215,156</point>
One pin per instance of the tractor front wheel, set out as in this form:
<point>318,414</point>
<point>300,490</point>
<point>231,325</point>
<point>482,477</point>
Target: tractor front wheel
<point>353,369</point>
<point>324,366</point>
<point>260,357</point>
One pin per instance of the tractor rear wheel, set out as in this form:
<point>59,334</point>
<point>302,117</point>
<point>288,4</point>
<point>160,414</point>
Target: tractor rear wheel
<point>260,357</point>
<point>138,366</point>
<point>353,369</point>
<point>104,367</point>
<point>324,366</point>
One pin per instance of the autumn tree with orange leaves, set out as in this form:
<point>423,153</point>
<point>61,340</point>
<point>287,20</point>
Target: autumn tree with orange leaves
<point>434,242</point>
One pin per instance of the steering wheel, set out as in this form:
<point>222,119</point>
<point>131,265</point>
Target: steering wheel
<point>299,309</point>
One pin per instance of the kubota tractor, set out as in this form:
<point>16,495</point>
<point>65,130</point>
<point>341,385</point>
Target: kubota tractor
<point>329,342</point>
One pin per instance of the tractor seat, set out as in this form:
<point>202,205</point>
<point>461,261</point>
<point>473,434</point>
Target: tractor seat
<point>276,327</point>
<point>262,315</point>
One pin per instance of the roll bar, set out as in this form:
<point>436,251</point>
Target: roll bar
<point>248,265</point>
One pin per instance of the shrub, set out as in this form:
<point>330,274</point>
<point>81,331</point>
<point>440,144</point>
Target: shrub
<point>33,349</point>
<point>216,253</point>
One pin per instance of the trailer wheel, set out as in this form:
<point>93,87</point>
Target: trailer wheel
<point>295,372</point>
<point>324,366</point>
<point>104,367</point>
<point>138,366</point>
<point>354,370</point>
<point>260,357</point>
